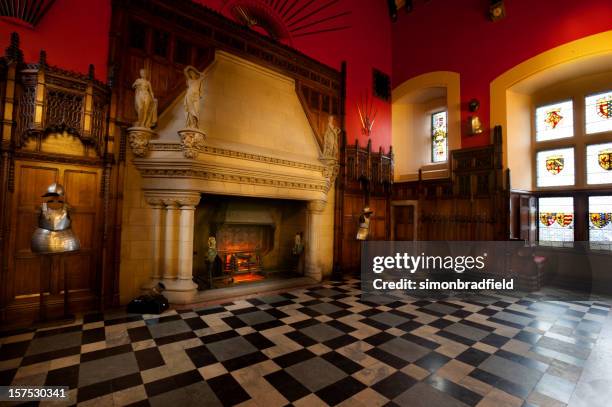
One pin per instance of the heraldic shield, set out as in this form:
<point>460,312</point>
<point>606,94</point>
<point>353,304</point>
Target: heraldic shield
<point>600,219</point>
<point>605,159</point>
<point>555,164</point>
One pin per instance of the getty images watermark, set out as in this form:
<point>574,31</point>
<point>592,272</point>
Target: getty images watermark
<point>446,269</point>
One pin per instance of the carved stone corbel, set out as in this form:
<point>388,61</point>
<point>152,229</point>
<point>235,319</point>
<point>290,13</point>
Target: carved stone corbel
<point>192,142</point>
<point>139,138</point>
<point>331,169</point>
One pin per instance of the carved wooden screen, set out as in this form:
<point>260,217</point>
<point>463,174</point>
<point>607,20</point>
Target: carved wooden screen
<point>56,129</point>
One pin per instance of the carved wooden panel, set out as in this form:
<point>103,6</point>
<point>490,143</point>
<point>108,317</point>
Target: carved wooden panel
<point>361,164</point>
<point>472,204</point>
<point>351,249</point>
<point>403,222</point>
<point>50,100</point>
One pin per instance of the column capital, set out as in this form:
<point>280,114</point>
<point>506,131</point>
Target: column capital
<point>173,200</point>
<point>154,202</point>
<point>316,206</point>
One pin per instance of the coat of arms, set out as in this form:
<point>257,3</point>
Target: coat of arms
<point>600,219</point>
<point>604,107</point>
<point>553,118</point>
<point>605,159</point>
<point>547,218</point>
<point>555,164</point>
<point>564,219</point>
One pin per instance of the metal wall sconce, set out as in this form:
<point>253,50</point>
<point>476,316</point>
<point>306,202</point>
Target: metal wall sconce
<point>497,10</point>
<point>473,121</point>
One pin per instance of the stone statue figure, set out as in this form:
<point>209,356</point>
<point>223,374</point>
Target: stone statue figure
<point>212,249</point>
<point>145,102</point>
<point>195,81</point>
<point>298,246</point>
<point>330,140</point>
<point>364,224</point>
<point>54,233</point>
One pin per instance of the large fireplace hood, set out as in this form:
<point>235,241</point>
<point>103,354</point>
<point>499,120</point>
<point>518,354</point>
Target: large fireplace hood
<point>242,213</point>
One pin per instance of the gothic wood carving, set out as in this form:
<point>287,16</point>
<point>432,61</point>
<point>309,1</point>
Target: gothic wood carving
<point>41,104</point>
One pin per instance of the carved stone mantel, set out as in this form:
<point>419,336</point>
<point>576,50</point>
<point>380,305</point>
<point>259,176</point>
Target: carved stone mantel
<point>229,172</point>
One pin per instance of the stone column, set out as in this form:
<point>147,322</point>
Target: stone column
<point>170,240</point>
<point>157,222</point>
<point>313,229</point>
<point>178,247</point>
<point>186,226</point>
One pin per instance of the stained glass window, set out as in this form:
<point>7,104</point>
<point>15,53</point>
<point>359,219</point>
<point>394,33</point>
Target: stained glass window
<point>556,219</point>
<point>439,137</point>
<point>600,221</point>
<point>555,121</point>
<point>598,114</point>
<point>555,167</point>
<point>599,163</point>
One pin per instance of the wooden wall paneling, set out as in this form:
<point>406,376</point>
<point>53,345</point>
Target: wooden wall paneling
<point>55,130</point>
<point>366,178</point>
<point>31,180</point>
<point>471,204</point>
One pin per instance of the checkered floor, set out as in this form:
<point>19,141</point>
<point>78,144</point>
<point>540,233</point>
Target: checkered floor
<point>317,346</point>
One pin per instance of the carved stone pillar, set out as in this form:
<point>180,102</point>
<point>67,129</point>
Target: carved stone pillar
<point>186,226</point>
<point>313,230</point>
<point>157,227</point>
<point>177,246</point>
<point>170,240</point>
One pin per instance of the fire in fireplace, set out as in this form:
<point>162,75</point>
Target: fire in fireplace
<point>254,239</point>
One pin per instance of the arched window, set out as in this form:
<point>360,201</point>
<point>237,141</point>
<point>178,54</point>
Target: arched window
<point>439,137</point>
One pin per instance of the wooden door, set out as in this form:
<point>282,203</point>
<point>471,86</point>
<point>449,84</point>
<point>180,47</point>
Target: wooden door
<point>403,222</point>
<point>82,187</point>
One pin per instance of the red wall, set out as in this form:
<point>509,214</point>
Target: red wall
<point>457,36</point>
<point>75,33</point>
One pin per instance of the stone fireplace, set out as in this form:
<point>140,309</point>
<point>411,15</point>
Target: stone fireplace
<point>257,179</point>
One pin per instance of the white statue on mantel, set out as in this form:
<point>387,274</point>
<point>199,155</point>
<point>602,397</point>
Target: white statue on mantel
<point>146,110</point>
<point>195,81</point>
<point>145,102</point>
<point>330,139</point>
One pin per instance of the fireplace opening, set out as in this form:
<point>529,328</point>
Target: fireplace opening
<point>240,240</point>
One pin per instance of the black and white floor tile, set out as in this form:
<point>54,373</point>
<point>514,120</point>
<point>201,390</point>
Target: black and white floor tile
<point>317,346</point>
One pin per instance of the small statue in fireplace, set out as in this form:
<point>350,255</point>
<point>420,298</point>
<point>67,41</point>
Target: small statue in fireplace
<point>364,224</point>
<point>212,249</point>
<point>297,250</point>
<point>298,246</point>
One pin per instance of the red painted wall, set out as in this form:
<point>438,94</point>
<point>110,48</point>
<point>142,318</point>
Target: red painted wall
<point>457,36</point>
<point>75,33</point>
<point>365,46</point>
